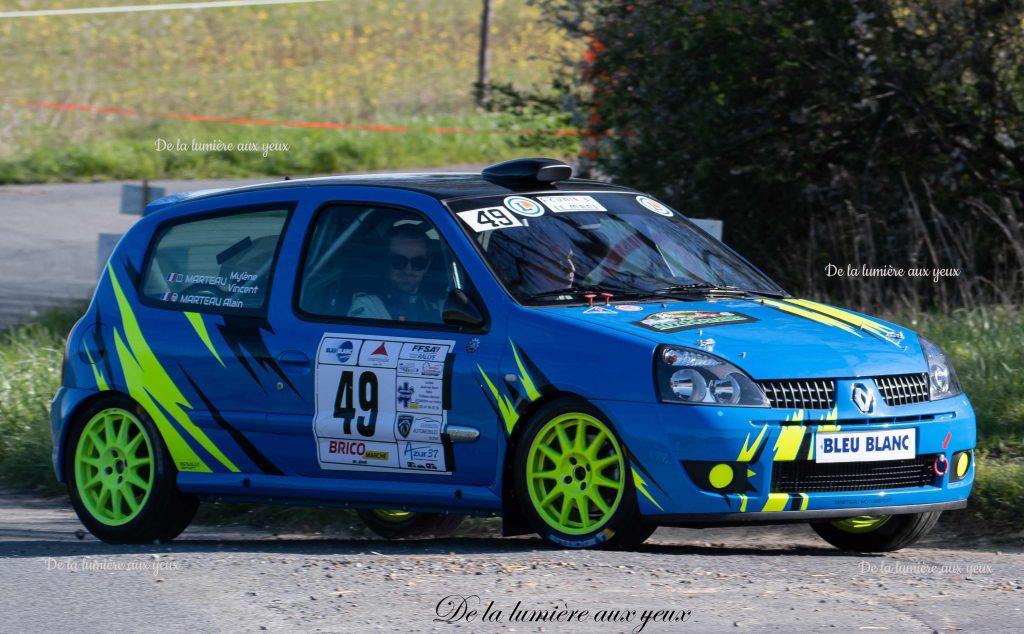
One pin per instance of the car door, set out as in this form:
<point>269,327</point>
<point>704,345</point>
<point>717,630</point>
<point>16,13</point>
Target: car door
<point>383,388</point>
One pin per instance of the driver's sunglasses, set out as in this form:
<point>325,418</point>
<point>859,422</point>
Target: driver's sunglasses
<point>419,262</point>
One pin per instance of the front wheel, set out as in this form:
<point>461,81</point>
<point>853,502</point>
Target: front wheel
<point>401,524</point>
<point>876,533</point>
<point>573,481</point>
<point>120,476</point>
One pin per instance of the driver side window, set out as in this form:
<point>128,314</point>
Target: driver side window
<point>376,263</point>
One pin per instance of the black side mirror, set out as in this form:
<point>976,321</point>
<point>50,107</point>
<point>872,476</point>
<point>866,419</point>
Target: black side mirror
<point>461,310</point>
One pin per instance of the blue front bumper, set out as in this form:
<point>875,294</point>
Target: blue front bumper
<point>771,452</point>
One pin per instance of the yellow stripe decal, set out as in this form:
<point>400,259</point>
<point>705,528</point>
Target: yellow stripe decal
<point>748,450</point>
<point>101,383</point>
<point>788,443</point>
<point>531,390</point>
<point>776,502</point>
<point>641,486</point>
<point>508,412</point>
<point>863,323</point>
<point>743,502</point>
<point>810,314</point>
<point>155,381</point>
<point>197,322</point>
<point>804,498</point>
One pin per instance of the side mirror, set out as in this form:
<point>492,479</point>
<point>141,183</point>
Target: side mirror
<point>460,310</point>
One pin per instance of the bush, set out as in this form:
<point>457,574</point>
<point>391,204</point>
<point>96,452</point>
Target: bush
<point>869,132</point>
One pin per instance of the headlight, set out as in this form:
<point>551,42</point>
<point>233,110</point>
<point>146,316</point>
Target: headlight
<point>694,377</point>
<point>942,379</point>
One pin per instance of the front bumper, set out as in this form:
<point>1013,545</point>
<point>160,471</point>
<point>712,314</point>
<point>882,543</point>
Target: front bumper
<point>765,447</point>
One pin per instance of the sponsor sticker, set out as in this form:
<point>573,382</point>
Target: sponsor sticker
<point>654,206</point>
<point>372,395</point>
<point>418,428</point>
<point>560,204</point>
<point>422,456</point>
<point>599,310</point>
<point>524,206</point>
<point>865,446</point>
<point>675,320</point>
<point>379,354</point>
<point>489,218</point>
<point>341,351</point>
<point>629,308</point>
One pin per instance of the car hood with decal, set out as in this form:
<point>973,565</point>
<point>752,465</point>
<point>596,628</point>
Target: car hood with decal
<point>755,333</point>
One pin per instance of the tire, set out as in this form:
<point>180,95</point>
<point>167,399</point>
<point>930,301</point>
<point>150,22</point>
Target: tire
<point>402,524</point>
<point>876,534</point>
<point>115,456</point>
<point>554,468</point>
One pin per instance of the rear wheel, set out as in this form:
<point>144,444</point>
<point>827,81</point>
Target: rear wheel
<point>572,479</point>
<point>121,478</point>
<point>391,524</point>
<point>876,533</point>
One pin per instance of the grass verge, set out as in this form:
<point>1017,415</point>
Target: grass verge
<point>149,150</point>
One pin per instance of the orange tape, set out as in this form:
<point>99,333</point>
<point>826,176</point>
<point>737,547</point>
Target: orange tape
<point>275,122</point>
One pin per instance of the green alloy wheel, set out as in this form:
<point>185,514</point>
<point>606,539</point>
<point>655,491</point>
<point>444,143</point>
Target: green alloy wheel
<point>876,533</point>
<point>114,466</point>
<point>395,524</point>
<point>572,480</point>
<point>861,523</point>
<point>121,479</point>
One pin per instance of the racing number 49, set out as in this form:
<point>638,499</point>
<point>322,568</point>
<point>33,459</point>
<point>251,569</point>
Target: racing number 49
<point>344,403</point>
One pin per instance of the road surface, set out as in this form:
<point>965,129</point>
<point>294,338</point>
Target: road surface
<point>730,580</point>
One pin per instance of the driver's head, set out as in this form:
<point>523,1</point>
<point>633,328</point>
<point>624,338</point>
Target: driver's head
<point>408,257</point>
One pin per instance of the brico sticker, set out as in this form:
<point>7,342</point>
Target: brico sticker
<point>375,396</point>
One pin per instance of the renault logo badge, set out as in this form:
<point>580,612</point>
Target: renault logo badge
<point>863,398</point>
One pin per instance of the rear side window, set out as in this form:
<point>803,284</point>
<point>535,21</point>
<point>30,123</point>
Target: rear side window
<point>217,264</point>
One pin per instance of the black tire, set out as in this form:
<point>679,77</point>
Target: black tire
<point>619,530</point>
<point>410,524</point>
<point>899,531</point>
<point>164,514</point>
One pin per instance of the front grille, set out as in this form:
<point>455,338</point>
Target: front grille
<point>903,389</point>
<point>800,393</point>
<point>814,477</point>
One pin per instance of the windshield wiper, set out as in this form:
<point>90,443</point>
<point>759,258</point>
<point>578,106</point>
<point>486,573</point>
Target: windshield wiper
<point>703,288</point>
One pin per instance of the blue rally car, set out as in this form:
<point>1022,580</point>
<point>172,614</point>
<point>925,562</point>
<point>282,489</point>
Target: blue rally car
<point>576,357</point>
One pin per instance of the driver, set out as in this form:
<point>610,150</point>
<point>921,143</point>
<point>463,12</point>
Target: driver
<point>408,260</point>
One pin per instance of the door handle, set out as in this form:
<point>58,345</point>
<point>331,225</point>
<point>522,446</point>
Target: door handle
<point>294,359</point>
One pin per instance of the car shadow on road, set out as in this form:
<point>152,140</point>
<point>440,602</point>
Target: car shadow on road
<point>28,547</point>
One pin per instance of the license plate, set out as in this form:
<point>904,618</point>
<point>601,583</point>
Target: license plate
<point>865,446</point>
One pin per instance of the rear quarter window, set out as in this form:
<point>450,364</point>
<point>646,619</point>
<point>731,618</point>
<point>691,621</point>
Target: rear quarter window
<point>215,264</point>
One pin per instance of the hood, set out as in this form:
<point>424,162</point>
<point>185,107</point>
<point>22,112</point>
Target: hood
<point>769,338</point>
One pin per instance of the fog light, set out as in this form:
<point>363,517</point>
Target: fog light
<point>720,476</point>
<point>961,465</point>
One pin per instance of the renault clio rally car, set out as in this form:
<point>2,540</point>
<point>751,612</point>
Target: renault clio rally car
<point>573,356</point>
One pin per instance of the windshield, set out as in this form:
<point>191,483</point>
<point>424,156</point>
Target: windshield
<point>622,243</point>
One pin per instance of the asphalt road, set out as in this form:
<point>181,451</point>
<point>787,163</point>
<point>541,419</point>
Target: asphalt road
<point>731,580</point>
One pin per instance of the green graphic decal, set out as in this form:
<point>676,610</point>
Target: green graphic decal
<point>150,385</point>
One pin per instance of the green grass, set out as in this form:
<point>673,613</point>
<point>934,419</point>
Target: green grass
<point>987,347</point>
<point>131,152</point>
<point>408,62</point>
